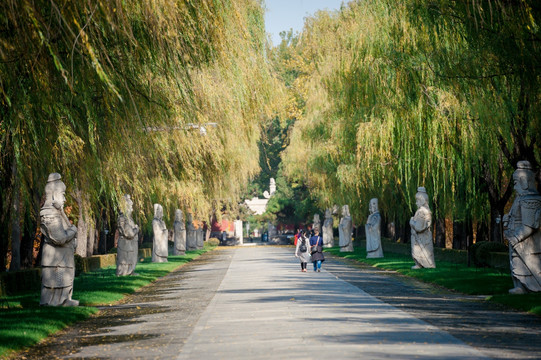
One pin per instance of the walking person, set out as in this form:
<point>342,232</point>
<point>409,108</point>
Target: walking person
<point>302,250</point>
<point>316,249</point>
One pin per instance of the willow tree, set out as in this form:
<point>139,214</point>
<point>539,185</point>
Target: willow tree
<point>392,103</point>
<point>83,82</point>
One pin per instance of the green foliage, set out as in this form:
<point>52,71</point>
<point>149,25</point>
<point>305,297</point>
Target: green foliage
<point>391,96</point>
<point>82,82</point>
<point>482,252</point>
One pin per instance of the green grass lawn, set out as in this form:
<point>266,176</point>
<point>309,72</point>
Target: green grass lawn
<point>467,280</point>
<point>24,323</point>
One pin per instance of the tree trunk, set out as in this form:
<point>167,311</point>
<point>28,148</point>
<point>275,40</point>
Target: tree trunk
<point>440,232</point>
<point>82,225</point>
<point>16,221</point>
<point>91,239</point>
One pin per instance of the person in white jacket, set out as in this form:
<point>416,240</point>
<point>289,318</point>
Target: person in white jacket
<point>302,250</point>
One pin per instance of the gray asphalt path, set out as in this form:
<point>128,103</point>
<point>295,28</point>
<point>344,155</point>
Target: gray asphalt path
<point>254,303</point>
<point>265,308</point>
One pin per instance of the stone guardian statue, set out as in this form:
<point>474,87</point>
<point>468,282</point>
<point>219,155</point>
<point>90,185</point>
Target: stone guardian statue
<point>422,247</point>
<point>344,230</point>
<point>522,231</point>
<point>200,242</point>
<point>179,236</point>
<point>159,246</point>
<point>317,223</point>
<point>59,243</point>
<point>328,236</point>
<point>373,232</point>
<point>191,234</point>
<point>126,257</point>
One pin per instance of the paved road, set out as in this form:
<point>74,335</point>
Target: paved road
<point>254,303</point>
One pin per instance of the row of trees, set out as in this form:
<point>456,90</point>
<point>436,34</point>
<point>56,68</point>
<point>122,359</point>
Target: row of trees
<point>104,93</point>
<point>388,96</point>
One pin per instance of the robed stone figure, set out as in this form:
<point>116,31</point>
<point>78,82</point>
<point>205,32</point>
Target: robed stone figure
<point>344,231</point>
<point>373,232</point>
<point>59,243</point>
<point>328,236</point>
<point>422,247</point>
<point>128,240</point>
<point>191,234</point>
<point>159,246</point>
<point>179,237</point>
<point>522,231</point>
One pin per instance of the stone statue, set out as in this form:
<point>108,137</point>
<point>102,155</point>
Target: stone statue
<point>239,235</point>
<point>191,234</point>
<point>317,223</point>
<point>59,243</point>
<point>179,236</point>
<point>344,230</point>
<point>422,247</point>
<point>522,231</point>
<point>126,257</point>
<point>328,236</point>
<point>272,231</point>
<point>373,232</point>
<point>159,246</point>
<point>200,242</point>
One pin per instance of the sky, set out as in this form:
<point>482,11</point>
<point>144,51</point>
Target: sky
<point>282,15</point>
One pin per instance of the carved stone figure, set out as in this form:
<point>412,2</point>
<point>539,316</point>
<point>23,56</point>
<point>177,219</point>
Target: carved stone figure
<point>317,223</point>
<point>179,237</point>
<point>522,231</point>
<point>58,261</point>
<point>200,243</point>
<point>239,236</point>
<point>422,247</point>
<point>373,232</point>
<point>272,231</point>
<point>328,236</point>
<point>191,234</point>
<point>344,231</point>
<point>159,246</point>
<point>126,258</point>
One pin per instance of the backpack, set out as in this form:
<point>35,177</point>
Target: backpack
<point>302,247</point>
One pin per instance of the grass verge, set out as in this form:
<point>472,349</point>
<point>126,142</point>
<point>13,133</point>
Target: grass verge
<point>467,280</point>
<point>24,323</point>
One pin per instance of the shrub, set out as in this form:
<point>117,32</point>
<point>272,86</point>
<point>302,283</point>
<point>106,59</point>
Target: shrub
<point>482,252</point>
<point>79,264</point>
<point>213,241</point>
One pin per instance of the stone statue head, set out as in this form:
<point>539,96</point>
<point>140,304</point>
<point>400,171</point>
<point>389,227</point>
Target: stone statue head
<point>316,218</point>
<point>328,213</point>
<point>178,215</point>
<point>421,198</point>
<point>524,178</point>
<point>373,206</point>
<point>126,206</point>
<point>158,211</point>
<point>55,191</point>
<point>345,210</point>
<point>190,217</point>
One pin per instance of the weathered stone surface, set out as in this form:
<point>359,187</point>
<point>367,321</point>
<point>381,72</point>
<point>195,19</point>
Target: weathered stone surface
<point>179,237</point>
<point>327,231</point>
<point>373,232</point>
<point>159,246</point>
<point>58,262</point>
<point>191,234</point>
<point>128,239</point>
<point>344,231</point>
<point>422,247</point>
<point>521,229</point>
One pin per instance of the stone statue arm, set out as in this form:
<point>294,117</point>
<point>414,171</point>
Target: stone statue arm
<point>420,222</point>
<point>373,220</point>
<point>125,229</point>
<point>530,222</point>
<point>57,232</point>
